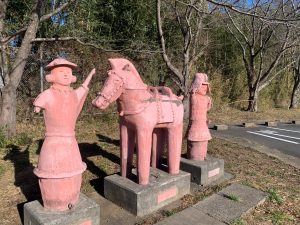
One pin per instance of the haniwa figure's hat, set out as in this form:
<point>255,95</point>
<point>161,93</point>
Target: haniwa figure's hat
<point>60,62</point>
<point>199,79</point>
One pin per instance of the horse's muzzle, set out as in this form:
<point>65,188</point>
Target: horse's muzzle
<point>100,103</point>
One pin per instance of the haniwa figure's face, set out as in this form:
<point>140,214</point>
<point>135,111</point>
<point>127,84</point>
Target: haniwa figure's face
<point>203,89</point>
<point>62,75</point>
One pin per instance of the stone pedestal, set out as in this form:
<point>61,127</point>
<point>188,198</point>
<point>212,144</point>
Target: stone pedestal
<point>271,123</point>
<point>221,127</point>
<point>203,172</point>
<point>85,212</point>
<point>162,189</point>
<point>247,125</point>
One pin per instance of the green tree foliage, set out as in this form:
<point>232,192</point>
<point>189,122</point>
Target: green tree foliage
<point>112,24</point>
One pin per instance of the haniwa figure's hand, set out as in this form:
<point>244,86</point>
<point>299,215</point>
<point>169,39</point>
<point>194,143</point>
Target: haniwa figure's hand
<point>88,79</point>
<point>92,73</point>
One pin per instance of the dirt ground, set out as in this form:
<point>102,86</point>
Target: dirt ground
<point>98,140</point>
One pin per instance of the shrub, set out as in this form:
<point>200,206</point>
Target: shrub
<point>22,139</point>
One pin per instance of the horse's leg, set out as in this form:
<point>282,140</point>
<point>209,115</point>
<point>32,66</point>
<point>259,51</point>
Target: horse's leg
<point>174,148</point>
<point>127,140</point>
<point>144,140</point>
<point>131,145</point>
<point>158,142</point>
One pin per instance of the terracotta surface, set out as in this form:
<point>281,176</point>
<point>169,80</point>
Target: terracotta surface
<point>200,103</point>
<point>60,165</point>
<point>143,109</point>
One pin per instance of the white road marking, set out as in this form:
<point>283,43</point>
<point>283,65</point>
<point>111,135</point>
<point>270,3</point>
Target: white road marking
<point>294,131</point>
<point>275,133</point>
<point>280,139</point>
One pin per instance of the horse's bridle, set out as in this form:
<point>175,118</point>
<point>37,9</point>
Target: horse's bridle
<point>107,97</point>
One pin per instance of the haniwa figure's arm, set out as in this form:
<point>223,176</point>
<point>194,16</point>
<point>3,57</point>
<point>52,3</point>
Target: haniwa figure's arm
<point>87,81</point>
<point>40,102</point>
<point>210,104</point>
<point>83,90</point>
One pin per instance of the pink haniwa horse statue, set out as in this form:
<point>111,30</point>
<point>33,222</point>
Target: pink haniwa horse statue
<point>145,112</point>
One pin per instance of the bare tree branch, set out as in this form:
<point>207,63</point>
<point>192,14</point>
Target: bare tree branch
<point>237,10</point>
<point>42,19</point>
<point>283,48</point>
<point>96,46</point>
<point>163,45</point>
<point>266,83</point>
<point>238,29</point>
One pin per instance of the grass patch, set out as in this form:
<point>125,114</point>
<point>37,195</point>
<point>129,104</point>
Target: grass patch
<point>169,212</point>
<point>251,173</point>
<point>280,218</point>
<point>3,139</point>
<point>2,170</point>
<point>275,197</point>
<point>238,221</point>
<point>232,197</point>
<point>22,139</point>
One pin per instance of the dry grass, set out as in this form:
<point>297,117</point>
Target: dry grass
<point>267,174</point>
<point>98,139</point>
<point>234,116</point>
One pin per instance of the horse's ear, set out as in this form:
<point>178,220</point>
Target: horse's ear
<point>126,67</point>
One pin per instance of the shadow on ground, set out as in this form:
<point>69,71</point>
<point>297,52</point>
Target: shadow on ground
<point>26,180</point>
<point>24,176</point>
<point>88,150</point>
<point>108,140</point>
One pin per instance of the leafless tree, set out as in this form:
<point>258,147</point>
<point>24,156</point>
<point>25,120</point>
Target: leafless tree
<point>296,75</point>
<point>290,9</point>
<point>12,65</point>
<point>189,19</point>
<point>263,43</point>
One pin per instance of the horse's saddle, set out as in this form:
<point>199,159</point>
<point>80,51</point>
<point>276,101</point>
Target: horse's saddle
<point>165,100</point>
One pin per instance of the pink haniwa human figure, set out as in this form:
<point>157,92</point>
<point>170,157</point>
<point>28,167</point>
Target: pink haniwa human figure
<point>200,103</point>
<point>60,166</point>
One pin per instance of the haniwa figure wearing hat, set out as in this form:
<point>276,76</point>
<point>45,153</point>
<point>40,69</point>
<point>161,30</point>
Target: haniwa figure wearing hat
<point>60,166</point>
<point>200,103</point>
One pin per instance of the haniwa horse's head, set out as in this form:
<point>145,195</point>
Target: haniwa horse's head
<point>122,75</point>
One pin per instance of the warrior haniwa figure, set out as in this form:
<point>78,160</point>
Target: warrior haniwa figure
<point>200,103</point>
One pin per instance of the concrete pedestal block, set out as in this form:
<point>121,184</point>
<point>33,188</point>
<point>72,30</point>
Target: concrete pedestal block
<point>271,123</point>
<point>203,172</point>
<point>162,189</point>
<point>221,127</point>
<point>85,212</point>
<point>249,125</point>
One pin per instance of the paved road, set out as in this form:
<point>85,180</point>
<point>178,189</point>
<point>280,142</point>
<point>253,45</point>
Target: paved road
<point>284,138</point>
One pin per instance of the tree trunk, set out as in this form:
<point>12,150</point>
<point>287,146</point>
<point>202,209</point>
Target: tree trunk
<point>8,97</point>
<point>295,95</point>
<point>186,106</point>
<point>296,88</point>
<point>8,101</point>
<point>8,110</point>
<point>253,99</point>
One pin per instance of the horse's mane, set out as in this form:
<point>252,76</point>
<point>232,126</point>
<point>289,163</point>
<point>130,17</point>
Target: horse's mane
<point>126,65</point>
